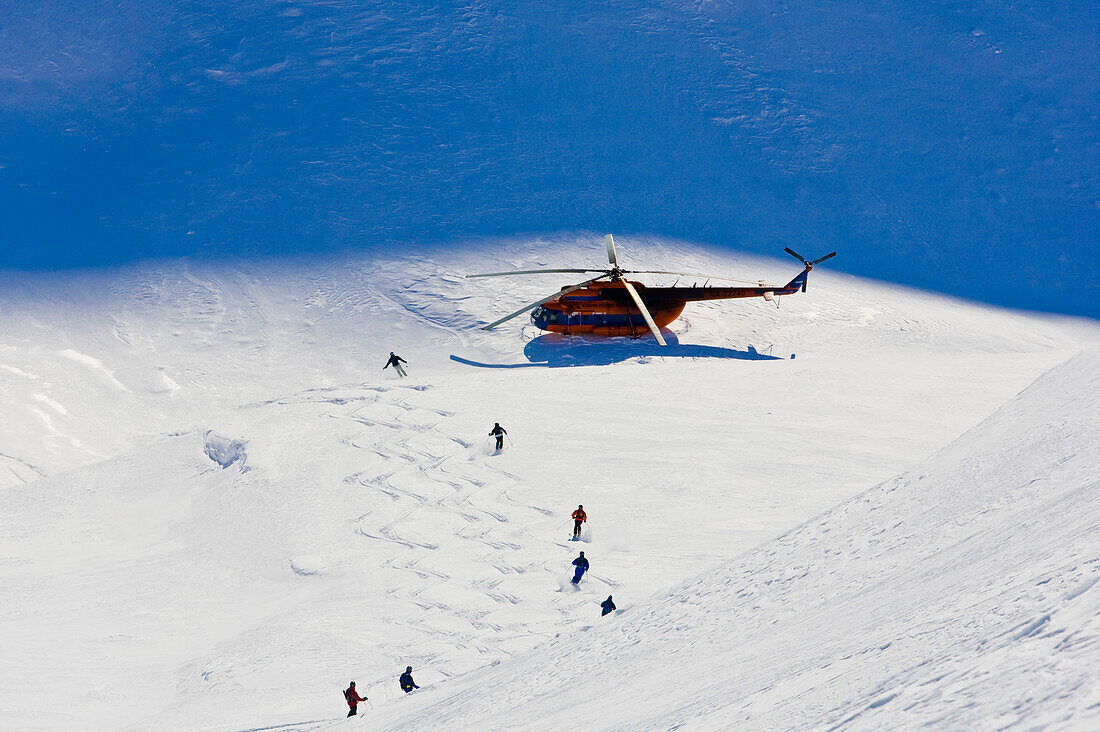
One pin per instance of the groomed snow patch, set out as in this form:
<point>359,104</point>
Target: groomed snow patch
<point>223,450</point>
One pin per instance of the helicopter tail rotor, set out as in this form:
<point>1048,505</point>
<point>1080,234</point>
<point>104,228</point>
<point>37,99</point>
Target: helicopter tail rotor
<point>809,265</point>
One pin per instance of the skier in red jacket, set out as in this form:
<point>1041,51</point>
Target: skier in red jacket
<point>579,517</point>
<point>353,698</point>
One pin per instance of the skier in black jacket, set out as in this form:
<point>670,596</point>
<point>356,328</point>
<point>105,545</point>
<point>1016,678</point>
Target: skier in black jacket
<point>608,606</point>
<point>395,361</point>
<point>406,680</point>
<point>500,432</point>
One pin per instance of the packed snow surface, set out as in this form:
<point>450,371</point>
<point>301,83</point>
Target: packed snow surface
<point>150,584</point>
<point>960,595</point>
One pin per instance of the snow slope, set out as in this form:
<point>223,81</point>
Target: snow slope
<point>219,509</point>
<point>960,595</point>
<point>946,145</point>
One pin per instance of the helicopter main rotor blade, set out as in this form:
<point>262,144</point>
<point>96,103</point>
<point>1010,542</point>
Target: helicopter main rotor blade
<point>532,306</point>
<point>610,243</point>
<point>533,271</point>
<point>645,313</point>
<point>687,274</point>
<point>795,254</point>
<point>827,256</point>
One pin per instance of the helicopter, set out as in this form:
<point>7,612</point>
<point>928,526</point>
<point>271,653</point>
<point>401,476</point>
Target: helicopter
<point>611,305</point>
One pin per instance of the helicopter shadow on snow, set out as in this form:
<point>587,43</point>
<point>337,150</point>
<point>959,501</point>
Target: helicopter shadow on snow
<point>555,350</point>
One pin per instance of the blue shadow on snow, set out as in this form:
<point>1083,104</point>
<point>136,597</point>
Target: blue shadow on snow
<point>555,350</point>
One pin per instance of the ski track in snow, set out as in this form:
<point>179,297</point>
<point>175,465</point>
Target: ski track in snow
<point>477,492</point>
<point>440,486</point>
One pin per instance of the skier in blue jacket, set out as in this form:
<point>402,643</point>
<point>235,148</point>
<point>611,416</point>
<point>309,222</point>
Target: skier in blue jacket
<point>406,680</point>
<point>582,566</point>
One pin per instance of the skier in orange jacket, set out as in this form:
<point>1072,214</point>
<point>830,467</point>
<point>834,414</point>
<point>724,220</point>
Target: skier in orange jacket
<point>353,699</point>
<point>579,517</point>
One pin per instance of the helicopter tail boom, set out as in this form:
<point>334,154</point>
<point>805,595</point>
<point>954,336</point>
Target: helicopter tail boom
<point>799,282</point>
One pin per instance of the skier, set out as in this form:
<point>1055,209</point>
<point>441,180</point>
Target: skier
<point>579,517</point>
<point>395,361</point>
<point>406,680</point>
<point>500,432</point>
<point>582,566</point>
<point>353,698</point>
<point>608,606</point>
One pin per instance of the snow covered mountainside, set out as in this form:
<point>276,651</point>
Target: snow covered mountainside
<point>217,509</point>
<point>903,133</point>
<point>960,595</point>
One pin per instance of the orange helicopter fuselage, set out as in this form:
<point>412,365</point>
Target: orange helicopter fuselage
<point>606,308</point>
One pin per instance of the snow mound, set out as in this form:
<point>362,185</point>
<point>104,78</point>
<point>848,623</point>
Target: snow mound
<point>223,450</point>
<point>961,594</point>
